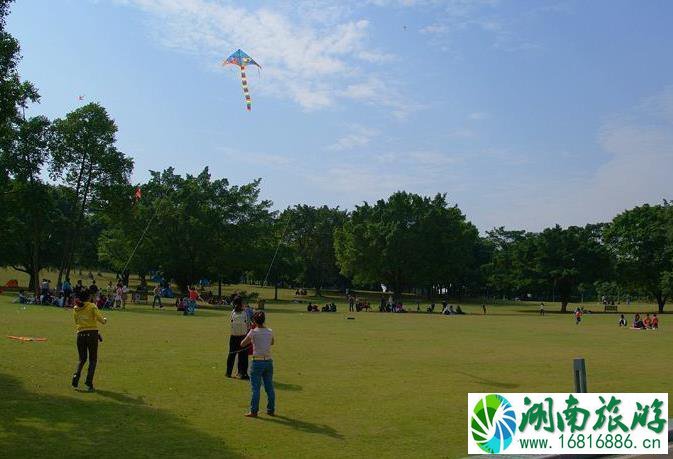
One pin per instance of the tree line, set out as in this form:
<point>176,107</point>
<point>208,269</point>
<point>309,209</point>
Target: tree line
<point>67,200</point>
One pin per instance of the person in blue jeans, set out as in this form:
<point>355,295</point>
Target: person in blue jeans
<point>261,338</point>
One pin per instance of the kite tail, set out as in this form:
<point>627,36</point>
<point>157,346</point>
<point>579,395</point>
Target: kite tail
<point>246,92</point>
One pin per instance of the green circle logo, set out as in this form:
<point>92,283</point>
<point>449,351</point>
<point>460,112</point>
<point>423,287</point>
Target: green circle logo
<point>493,423</point>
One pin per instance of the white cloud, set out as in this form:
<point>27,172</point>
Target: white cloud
<point>307,52</point>
<point>453,17</point>
<point>359,136</point>
<point>639,145</point>
<point>257,159</point>
<point>478,116</point>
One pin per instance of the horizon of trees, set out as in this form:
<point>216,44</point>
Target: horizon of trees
<point>67,201</point>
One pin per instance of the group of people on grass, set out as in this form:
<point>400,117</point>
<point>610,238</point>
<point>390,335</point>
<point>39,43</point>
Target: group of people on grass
<point>641,323</point>
<point>328,307</point>
<point>67,295</point>
<point>249,338</point>
<point>390,305</point>
<point>449,309</point>
<point>356,304</point>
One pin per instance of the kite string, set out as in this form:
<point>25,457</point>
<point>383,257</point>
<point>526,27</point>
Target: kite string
<point>280,241</point>
<point>142,236</point>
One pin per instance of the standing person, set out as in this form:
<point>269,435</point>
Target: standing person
<point>67,291</point>
<point>351,303</point>
<point>483,308</point>
<point>193,293</point>
<point>240,324</point>
<point>541,309</point>
<point>87,317</point>
<point>578,316</point>
<point>93,289</point>
<point>44,290</point>
<point>79,288</point>
<point>248,312</point>
<point>157,297</point>
<point>261,338</point>
<point>119,296</point>
<point>125,295</point>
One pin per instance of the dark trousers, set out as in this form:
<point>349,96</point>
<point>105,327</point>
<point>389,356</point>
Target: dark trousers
<point>235,345</point>
<point>87,343</point>
<point>157,299</point>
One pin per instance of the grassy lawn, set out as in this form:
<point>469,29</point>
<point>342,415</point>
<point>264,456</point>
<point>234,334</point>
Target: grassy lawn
<point>386,385</point>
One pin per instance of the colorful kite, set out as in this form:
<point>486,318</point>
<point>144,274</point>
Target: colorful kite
<point>242,60</point>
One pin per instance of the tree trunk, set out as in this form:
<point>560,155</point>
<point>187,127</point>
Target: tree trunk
<point>80,220</point>
<point>564,306</point>
<point>661,301</point>
<point>68,242</point>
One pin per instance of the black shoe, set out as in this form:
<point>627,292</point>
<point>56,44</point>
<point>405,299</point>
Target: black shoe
<point>228,375</point>
<point>89,388</point>
<point>246,377</point>
<point>75,381</point>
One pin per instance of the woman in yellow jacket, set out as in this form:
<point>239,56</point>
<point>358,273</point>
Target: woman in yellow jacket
<point>87,317</point>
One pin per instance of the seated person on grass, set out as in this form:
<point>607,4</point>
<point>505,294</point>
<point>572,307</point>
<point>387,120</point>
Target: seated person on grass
<point>637,322</point>
<point>647,322</point>
<point>458,310</point>
<point>622,321</point>
<point>58,300</point>
<point>655,322</point>
<point>21,299</point>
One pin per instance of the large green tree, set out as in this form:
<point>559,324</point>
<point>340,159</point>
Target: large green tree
<point>86,159</point>
<point>500,271</point>
<point>642,243</point>
<point>406,241</point>
<point>557,260</point>
<point>28,220</point>
<point>200,228</point>
<point>569,257</point>
<point>310,234</point>
<point>15,96</point>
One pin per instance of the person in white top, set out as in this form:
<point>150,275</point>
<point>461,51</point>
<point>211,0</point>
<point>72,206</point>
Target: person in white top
<point>261,338</point>
<point>240,324</point>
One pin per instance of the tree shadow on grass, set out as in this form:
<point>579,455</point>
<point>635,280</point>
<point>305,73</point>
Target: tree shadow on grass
<point>121,398</point>
<point>169,312</point>
<point>102,424</point>
<point>304,426</point>
<point>489,382</point>
<point>286,386</point>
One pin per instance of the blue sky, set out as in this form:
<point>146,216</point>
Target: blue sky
<point>525,113</point>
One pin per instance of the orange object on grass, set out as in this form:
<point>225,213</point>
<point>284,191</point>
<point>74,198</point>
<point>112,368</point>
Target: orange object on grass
<point>26,338</point>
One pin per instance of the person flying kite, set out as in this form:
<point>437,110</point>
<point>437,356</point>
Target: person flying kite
<point>242,60</point>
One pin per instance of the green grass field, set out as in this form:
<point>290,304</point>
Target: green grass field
<point>385,385</point>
